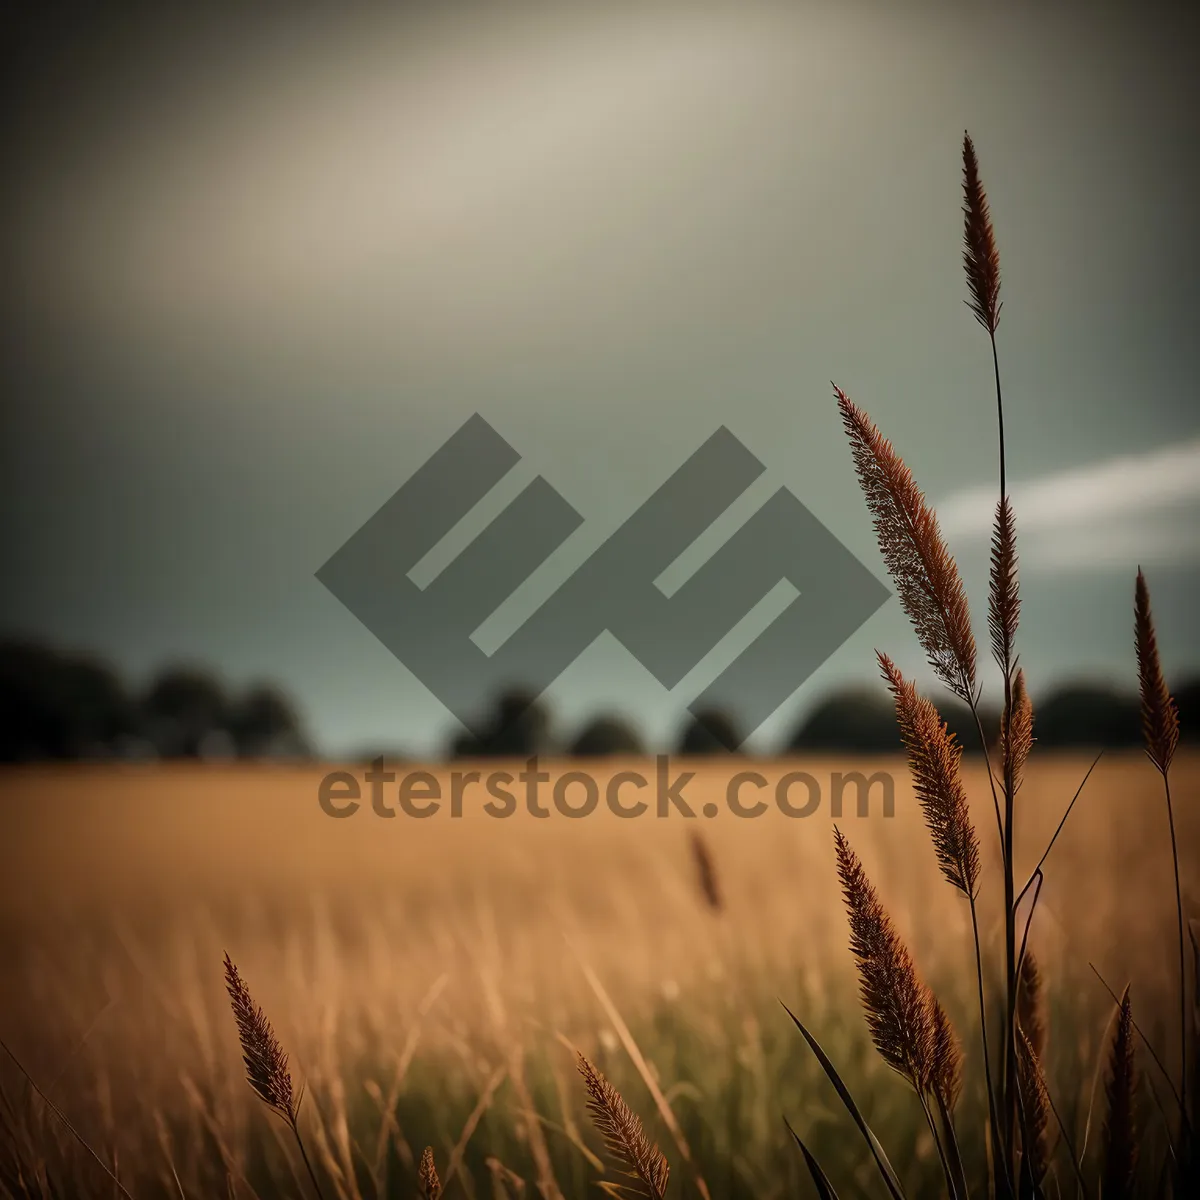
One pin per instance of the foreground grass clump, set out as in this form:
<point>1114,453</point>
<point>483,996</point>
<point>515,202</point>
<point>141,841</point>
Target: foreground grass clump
<point>906,1022</point>
<point>563,1009</point>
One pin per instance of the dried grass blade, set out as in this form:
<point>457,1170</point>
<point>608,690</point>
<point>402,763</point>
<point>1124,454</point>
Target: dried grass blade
<point>643,1069</point>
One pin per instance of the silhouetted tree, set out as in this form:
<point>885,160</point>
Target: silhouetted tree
<point>859,721</point>
<point>264,724</point>
<point>186,714</point>
<point>1187,699</point>
<point>59,706</point>
<point>709,732</point>
<point>606,735</point>
<point>863,721</point>
<point>366,756</point>
<point>960,721</point>
<point>1085,715</point>
<point>518,727</point>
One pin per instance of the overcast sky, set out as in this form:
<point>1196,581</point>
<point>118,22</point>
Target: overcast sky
<point>257,273</point>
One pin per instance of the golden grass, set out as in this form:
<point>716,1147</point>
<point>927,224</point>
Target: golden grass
<point>417,970</point>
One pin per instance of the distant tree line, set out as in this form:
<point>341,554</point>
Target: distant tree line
<point>56,705</point>
<point>852,721</point>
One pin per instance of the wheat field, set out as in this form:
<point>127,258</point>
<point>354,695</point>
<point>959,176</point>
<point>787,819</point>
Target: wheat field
<point>432,979</point>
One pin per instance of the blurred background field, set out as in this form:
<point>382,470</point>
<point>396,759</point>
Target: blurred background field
<point>437,971</point>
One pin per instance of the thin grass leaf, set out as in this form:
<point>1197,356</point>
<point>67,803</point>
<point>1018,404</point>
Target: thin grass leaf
<point>824,1188</point>
<point>890,1178</point>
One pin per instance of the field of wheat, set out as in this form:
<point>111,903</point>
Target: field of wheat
<point>432,979</point>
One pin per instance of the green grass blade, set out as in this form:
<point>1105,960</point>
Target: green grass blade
<point>881,1159</point>
<point>824,1187</point>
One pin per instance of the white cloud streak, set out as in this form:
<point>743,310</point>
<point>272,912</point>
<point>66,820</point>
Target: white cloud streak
<point>1137,508</point>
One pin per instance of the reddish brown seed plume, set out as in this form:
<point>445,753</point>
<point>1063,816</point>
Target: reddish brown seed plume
<point>895,1001</point>
<point>946,1073</point>
<point>427,1176</point>
<point>933,758</point>
<point>1119,1143</point>
<point>265,1061</point>
<point>1036,1127</point>
<point>706,872</point>
<point>1160,720</point>
<point>1016,735</point>
<point>639,1158</point>
<point>921,567</point>
<point>1004,597</point>
<point>981,258</point>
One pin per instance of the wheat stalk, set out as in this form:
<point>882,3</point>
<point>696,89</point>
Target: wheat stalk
<point>706,872</point>
<point>1031,1004</point>
<point>1160,719</point>
<point>265,1061</point>
<point>914,551</point>
<point>1004,594</point>
<point>1119,1138</point>
<point>933,758</point>
<point>626,1140</point>
<point>1036,1130</point>
<point>427,1176</point>
<point>946,1050</point>
<point>894,999</point>
<point>981,258</point>
<point>908,1025</point>
<point>1016,729</point>
<point>1160,735</point>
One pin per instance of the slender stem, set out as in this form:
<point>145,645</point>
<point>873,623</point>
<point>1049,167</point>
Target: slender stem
<point>951,1184</point>
<point>1001,1145</point>
<point>1007,839</point>
<point>987,1058</point>
<point>1028,922</point>
<point>1070,1145</point>
<point>1050,846</point>
<point>999,413</point>
<point>953,1153</point>
<point>1024,1171</point>
<point>1183,1056</point>
<point>987,761</point>
<point>1026,1140</point>
<point>304,1155</point>
<point>1010,960</point>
